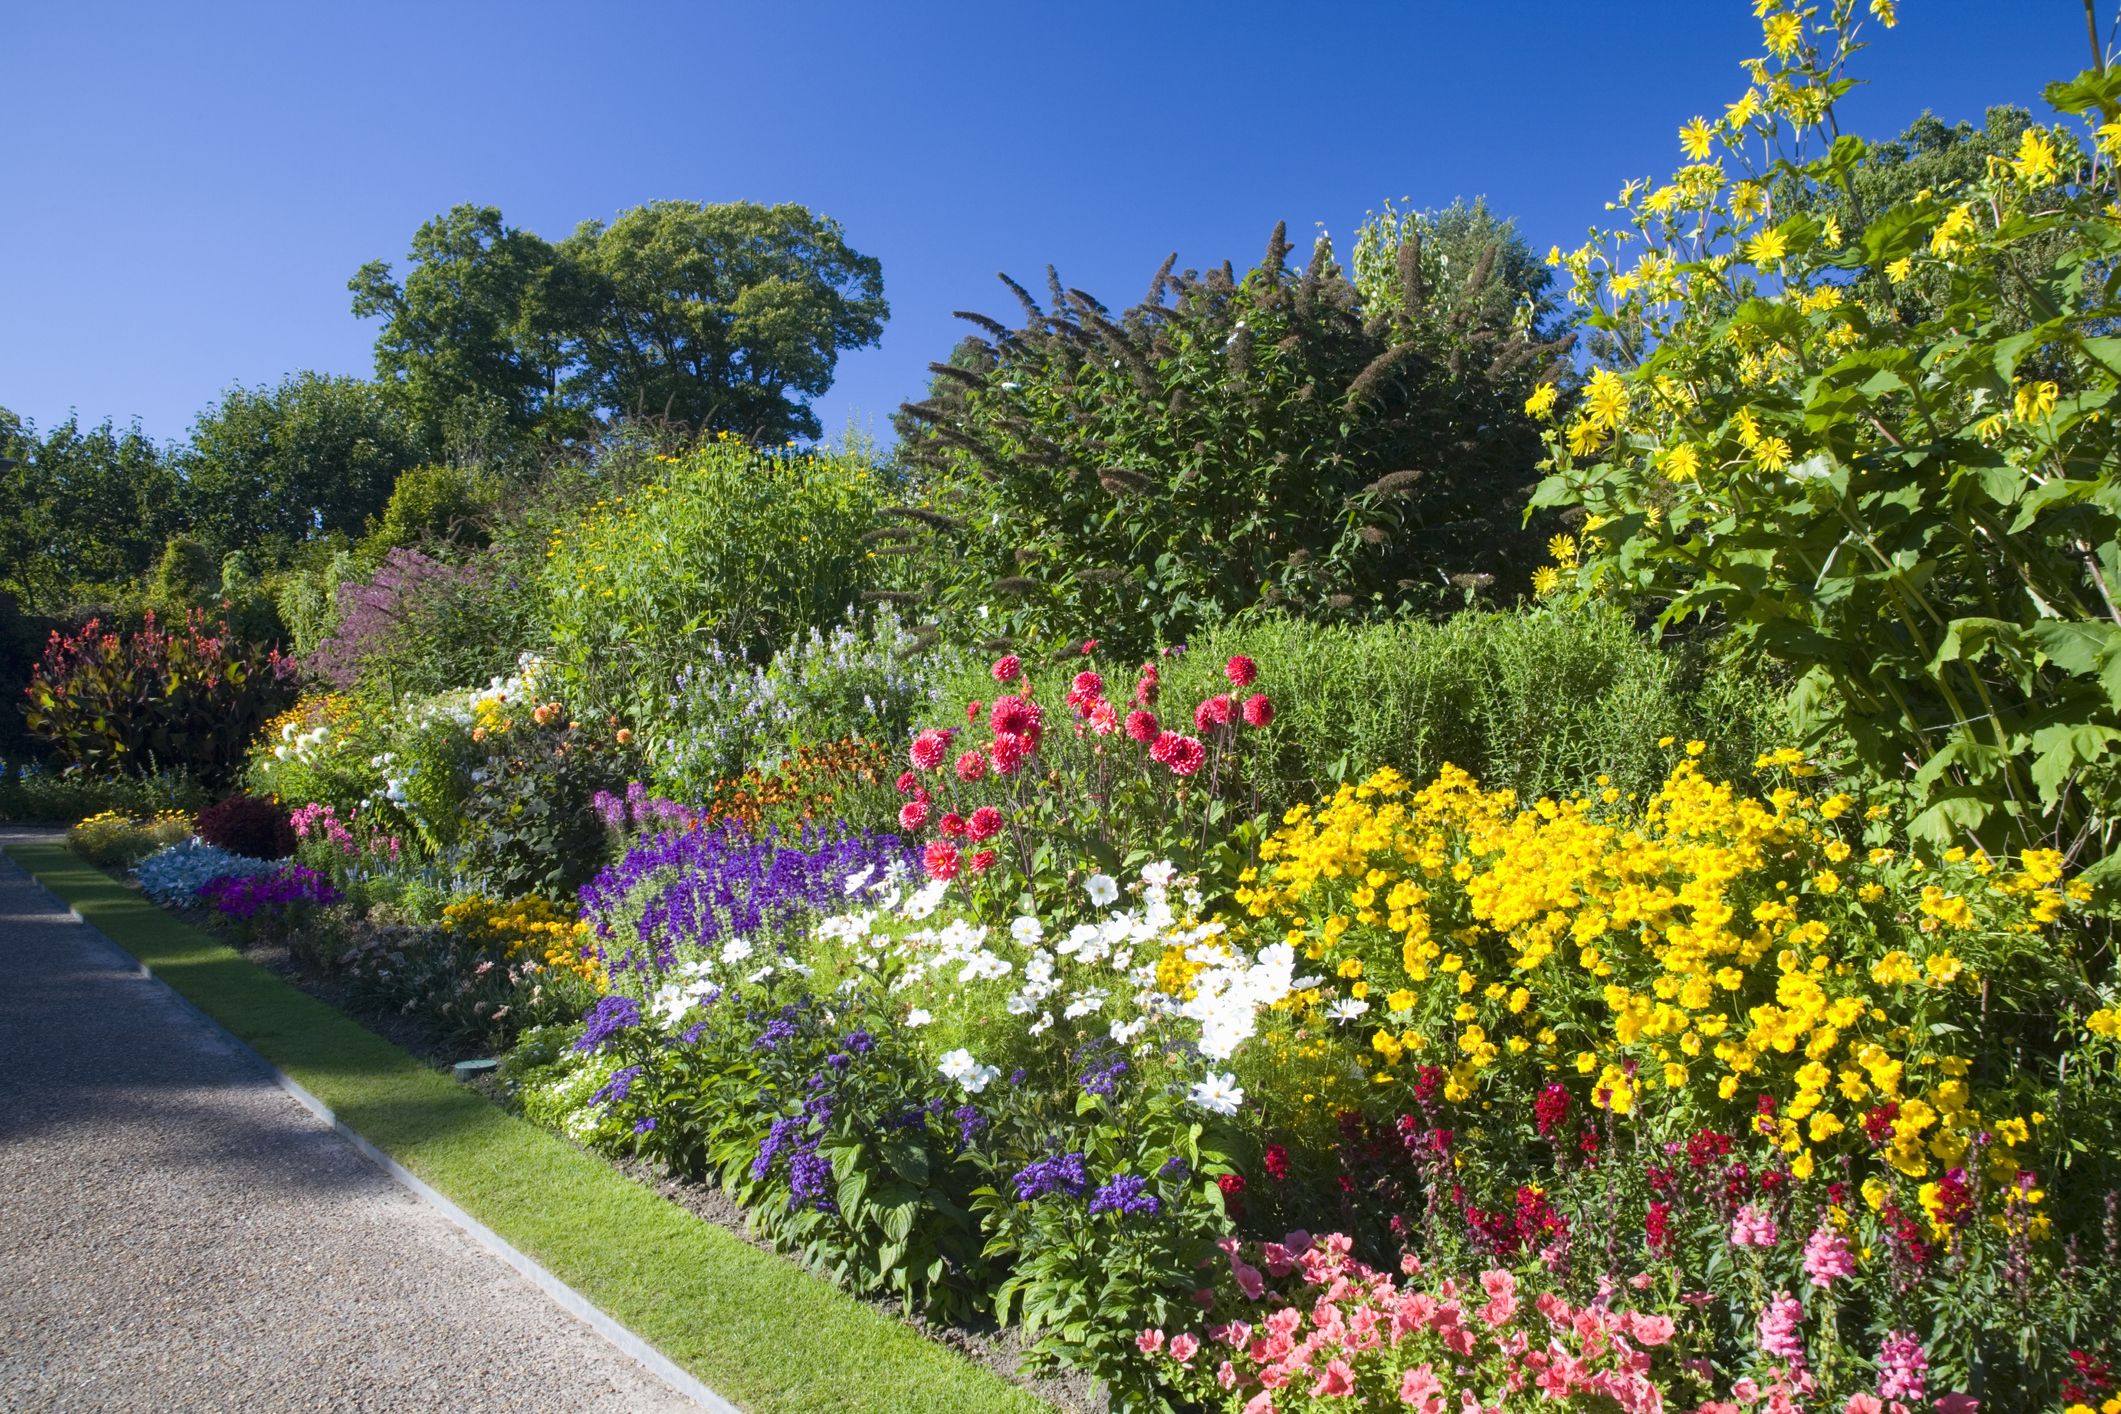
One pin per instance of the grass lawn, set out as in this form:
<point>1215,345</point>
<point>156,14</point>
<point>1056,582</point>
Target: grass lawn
<point>750,1325</point>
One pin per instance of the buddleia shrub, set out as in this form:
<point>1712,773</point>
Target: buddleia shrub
<point>1227,445</point>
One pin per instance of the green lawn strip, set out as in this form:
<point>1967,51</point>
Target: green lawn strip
<point>751,1325</point>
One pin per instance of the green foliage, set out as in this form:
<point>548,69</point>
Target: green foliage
<point>1252,442</point>
<point>269,469</point>
<point>184,577</point>
<point>723,316</point>
<point>479,324</point>
<point>1540,701</point>
<point>29,792</point>
<point>1914,509</point>
<point>719,317</point>
<point>527,825</point>
<point>1453,245</point>
<point>87,510</point>
<point>430,503</point>
<point>724,549</point>
<point>189,698</point>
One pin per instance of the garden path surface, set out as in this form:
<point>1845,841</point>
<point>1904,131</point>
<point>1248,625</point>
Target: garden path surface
<point>177,1233</point>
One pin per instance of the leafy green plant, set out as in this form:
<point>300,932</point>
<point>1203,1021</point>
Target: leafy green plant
<point>190,698</point>
<point>1227,445</point>
<point>1911,504</point>
<point>30,791</point>
<point>726,547</point>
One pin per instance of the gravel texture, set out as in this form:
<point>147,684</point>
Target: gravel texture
<point>176,1233</point>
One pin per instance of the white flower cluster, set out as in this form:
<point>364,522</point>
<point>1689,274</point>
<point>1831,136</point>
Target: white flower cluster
<point>300,746</point>
<point>1105,968</point>
<point>176,873</point>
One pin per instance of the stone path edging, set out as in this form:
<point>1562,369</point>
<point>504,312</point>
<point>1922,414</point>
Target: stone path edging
<point>562,1295</point>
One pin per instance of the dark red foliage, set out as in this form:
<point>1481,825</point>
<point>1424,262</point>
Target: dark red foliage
<point>248,824</point>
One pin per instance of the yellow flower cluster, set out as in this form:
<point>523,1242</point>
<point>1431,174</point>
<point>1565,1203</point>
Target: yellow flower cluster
<point>1720,956</point>
<point>111,837</point>
<point>534,928</point>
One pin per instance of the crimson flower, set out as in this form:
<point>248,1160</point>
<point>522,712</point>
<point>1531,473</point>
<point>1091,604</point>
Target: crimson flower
<point>1258,710</point>
<point>929,748</point>
<point>1241,671</point>
<point>1213,713</point>
<point>1006,669</point>
<point>941,860</point>
<point>985,824</point>
<point>1142,725</point>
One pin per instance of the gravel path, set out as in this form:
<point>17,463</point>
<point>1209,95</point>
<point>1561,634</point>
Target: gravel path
<point>176,1233</point>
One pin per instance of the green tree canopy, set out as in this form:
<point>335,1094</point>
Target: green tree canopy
<point>481,323</point>
<point>723,317</point>
<point>726,317</point>
<point>87,509</point>
<point>274,467</point>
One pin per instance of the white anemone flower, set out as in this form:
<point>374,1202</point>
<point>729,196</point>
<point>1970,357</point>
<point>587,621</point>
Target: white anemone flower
<point>1103,889</point>
<point>1218,1094</point>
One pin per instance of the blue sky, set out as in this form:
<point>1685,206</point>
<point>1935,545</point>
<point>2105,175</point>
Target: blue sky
<point>185,189</point>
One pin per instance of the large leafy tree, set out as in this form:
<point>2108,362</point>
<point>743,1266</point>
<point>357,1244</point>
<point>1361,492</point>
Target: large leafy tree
<point>87,509</point>
<point>481,323</point>
<point>272,467</point>
<point>724,317</point>
<point>1231,444</point>
<point>721,317</point>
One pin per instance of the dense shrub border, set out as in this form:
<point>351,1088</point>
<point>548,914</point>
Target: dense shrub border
<point>749,1324</point>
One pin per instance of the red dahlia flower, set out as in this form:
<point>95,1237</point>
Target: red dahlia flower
<point>929,748</point>
<point>1142,726</point>
<point>1187,756</point>
<point>1006,669</point>
<point>1008,752</point>
<point>1016,716</point>
<point>1213,713</point>
<point>952,824</point>
<point>971,766</point>
<point>1258,710</point>
<point>912,815</point>
<point>941,860</point>
<point>983,861</point>
<point>1241,671</point>
<point>985,824</point>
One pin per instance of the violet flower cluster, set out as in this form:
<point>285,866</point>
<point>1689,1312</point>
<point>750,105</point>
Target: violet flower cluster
<point>637,812</point>
<point>244,896</point>
<point>703,885</point>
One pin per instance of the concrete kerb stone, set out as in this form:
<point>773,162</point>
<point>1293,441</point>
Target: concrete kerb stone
<point>563,1295</point>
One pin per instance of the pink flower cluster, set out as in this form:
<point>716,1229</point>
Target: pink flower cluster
<point>318,820</point>
<point>1335,1329</point>
<point>1017,723</point>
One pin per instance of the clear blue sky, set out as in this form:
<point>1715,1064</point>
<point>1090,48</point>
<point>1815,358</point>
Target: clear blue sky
<point>184,189</point>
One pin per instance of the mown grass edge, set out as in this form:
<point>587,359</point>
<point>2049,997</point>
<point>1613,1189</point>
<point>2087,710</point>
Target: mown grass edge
<point>751,1326</point>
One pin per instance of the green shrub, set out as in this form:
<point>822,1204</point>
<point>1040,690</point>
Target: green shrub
<point>1257,441</point>
<point>35,792</point>
<point>192,697</point>
<point>726,547</point>
<point>1540,701</point>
